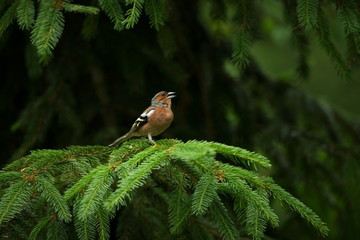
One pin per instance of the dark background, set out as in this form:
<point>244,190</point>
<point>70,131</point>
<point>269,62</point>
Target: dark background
<point>289,103</point>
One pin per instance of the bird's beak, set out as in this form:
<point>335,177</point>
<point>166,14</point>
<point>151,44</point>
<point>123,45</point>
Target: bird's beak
<point>171,94</point>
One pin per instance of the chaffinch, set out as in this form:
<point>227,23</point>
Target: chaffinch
<point>153,121</point>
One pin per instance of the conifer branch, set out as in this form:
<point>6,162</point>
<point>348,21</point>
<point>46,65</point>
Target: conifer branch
<point>307,11</point>
<point>246,18</point>
<point>80,185</point>
<point>134,180</point>
<point>299,207</point>
<point>14,200</point>
<point>39,227</point>
<point>155,10</point>
<point>133,14</point>
<point>114,11</point>
<point>179,210</point>
<point>103,223</point>
<point>56,230</point>
<point>351,23</point>
<point>8,17</point>
<point>329,47</point>
<point>241,49</point>
<point>25,14</point>
<point>95,192</point>
<point>197,183</point>
<point>48,28</point>
<point>239,155</point>
<point>224,222</point>
<point>54,198</point>
<point>205,192</point>
<point>70,7</point>
<point>86,228</point>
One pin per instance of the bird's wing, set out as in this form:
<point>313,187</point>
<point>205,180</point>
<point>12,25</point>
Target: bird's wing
<point>140,121</point>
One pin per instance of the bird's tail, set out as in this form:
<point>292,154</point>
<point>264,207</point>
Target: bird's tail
<point>121,139</point>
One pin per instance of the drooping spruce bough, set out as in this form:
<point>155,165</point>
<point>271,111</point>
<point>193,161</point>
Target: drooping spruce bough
<point>196,189</point>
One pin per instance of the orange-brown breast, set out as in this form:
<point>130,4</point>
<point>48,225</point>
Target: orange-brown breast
<point>158,122</point>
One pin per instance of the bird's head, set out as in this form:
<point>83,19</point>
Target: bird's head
<point>163,99</point>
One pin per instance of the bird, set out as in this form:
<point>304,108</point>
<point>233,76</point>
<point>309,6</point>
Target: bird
<point>153,121</point>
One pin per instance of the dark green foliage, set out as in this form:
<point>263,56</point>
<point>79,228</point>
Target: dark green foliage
<point>98,80</point>
<point>136,167</point>
<point>49,24</point>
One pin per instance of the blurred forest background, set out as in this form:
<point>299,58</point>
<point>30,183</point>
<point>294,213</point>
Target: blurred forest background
<point>254,74</point>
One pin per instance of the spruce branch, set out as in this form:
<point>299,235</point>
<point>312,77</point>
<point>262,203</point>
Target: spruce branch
<point>95,192</point>
<point>135,179</point>
<point>48,28</point>
<point>351,23</point>
<point>304,211</point>
<point>179,210</point>
<point>241,49</point>
<point>14,200</point>
<point>155,10</point>
<point>103,223</point>
<point>205,192</point>
<point>53,197</point>
<point>325,42</point>
<point>307,11</point>
<point>6,177</point>
<point>70,7</point>
<point>240,155</point>
<point>25,14</point>
<point>133,14</point>
<point>113,9</point>
<point>39,227</point>
<point>85,228</point>
<point>184,176</point>
<point>223,220</point>
<point>80,185</point>
<point>8,17</point>
<point>56,230</point>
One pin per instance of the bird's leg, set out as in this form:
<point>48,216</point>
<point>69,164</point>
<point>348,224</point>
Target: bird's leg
<point>150,139</point>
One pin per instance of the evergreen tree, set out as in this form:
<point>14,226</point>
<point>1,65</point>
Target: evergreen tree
<point>69,79</point>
